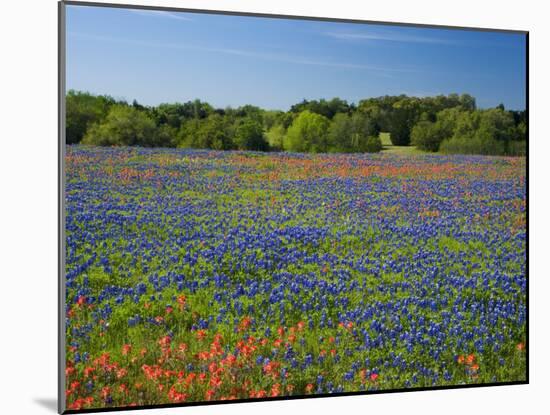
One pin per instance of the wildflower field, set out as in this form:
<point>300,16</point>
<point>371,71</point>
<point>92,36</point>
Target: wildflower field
<point>203,275</point>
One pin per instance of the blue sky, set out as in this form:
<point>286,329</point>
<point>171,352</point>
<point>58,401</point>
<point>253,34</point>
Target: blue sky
<point>156,57</point>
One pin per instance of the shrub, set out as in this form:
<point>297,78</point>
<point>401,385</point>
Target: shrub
<point>308,132</point>
<point>123,126</point>
<point>249,135</point>
<point>427,136</point>
<point>275,137</point>
<point>373,144</point>
<point>517,148</point>
<point>83,110</point>
<point>478,144</point>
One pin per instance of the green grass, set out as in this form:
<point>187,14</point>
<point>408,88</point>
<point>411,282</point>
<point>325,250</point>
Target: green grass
<point>389,148</point>
<point>386,139</point>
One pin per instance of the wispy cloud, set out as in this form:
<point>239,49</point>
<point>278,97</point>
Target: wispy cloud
<point>160,13</point>
<point>307,61</point>
<point>388,37</point>
<point>276,57</point>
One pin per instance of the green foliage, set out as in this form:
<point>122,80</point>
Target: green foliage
<point>456,130</point>
<point>477,144</point>
<point>467,102</point>
<point>491,132</point>
<point>165,136</point>
<point>399,114</point>
<point>427,135</point>
<point>308,132</point>
<point>271,118</point>
<point>351,133</point>
<point>498,124</point>
<point>212,132</point>
<point>364,127</point>
<point>275,137</point>
<point>448,123</point>
<point>186,136</point>
<point>323,107</point>
<point>170,114</point>
<point>373,144</point>
<point>125,126</point>
<point>249,135</point>
<point>252,112</point>
<point>340,133</point>
<point>517,148</point>
<point>401,120</point>
<point>82,110</point>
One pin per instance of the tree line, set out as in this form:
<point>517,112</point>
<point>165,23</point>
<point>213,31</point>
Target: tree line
<point>449,124</point>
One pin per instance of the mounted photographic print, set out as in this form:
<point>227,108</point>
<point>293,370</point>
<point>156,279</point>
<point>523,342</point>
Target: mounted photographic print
<point>258,207</point>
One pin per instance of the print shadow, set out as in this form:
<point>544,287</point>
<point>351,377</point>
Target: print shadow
<point>48,403</point>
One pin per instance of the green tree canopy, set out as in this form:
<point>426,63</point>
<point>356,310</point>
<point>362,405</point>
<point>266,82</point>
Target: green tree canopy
<point>350,133</point>
<point>249,135</point>
<point>124,125</point>
<point>213,132</point>
<point>447,123</point>
<point>323,107</point>
<point>275,137</point>
<point>427,135</point>
<point>82,110</point>
<point>373,144</point>
<point>308,132</point>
